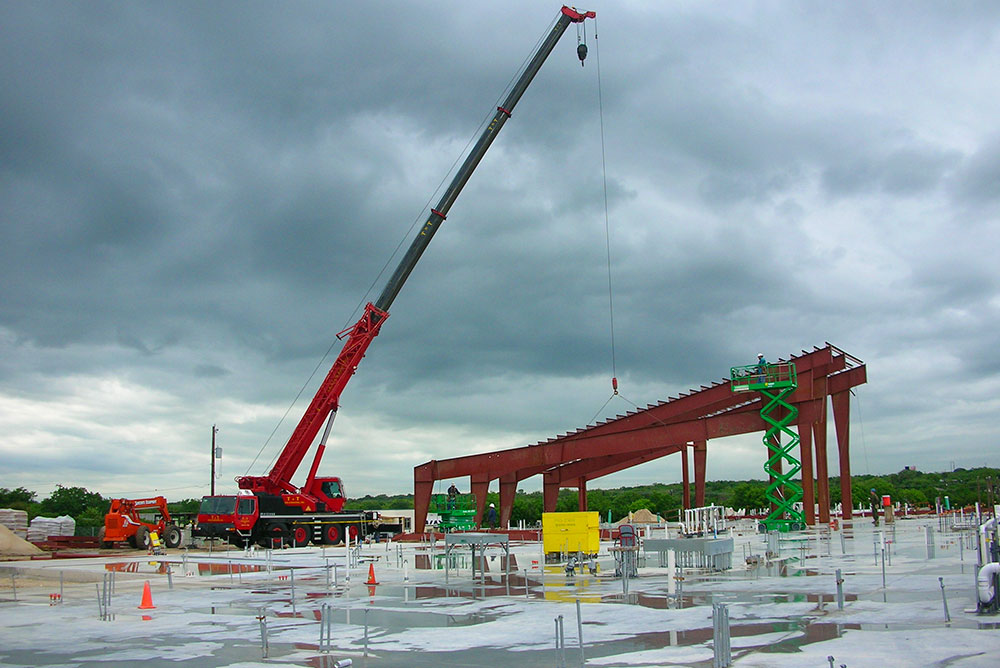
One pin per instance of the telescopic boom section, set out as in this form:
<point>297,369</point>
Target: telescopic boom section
<point>360,336</point>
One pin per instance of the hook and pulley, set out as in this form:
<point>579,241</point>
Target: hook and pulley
<point>581,52</point>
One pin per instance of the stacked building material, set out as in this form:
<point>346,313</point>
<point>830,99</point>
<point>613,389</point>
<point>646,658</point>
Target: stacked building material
<point>15,520</point>
<point>43,527</point>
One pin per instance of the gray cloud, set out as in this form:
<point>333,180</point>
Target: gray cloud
<point>194,198</point>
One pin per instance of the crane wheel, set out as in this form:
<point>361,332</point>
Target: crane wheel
<point>332,534</point>
<point>172,536</point>
<point>274,535</point>
<point>300,535</point>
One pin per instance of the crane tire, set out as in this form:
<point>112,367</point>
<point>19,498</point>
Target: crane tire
<point>333,534</point>
<point>274,535</point>
<point>300,535</point>
<point>141,538</point>
<point>172,536</point>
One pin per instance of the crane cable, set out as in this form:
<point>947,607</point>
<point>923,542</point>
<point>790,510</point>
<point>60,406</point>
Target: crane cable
<point>607,224</point>
<point>607,218</point>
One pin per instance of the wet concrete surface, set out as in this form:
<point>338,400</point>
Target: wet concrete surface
<point>214,613</point>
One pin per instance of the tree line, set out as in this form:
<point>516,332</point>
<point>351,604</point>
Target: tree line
<point>962,487</point>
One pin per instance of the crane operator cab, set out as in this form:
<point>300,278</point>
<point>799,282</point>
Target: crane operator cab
<point>331,492</point>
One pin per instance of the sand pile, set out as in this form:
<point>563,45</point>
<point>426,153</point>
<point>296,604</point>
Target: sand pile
<point>13,545</point>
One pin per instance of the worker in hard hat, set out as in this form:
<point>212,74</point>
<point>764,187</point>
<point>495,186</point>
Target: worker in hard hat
<point>491,516</point>
<point>761,368</point>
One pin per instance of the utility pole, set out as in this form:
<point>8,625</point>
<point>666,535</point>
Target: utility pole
<point>214,432</point>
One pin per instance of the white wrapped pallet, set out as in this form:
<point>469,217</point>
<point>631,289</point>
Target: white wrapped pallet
<point>43,527</point>
<point>15,520</point>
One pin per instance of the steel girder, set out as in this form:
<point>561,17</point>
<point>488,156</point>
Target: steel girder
<point>687,421</point>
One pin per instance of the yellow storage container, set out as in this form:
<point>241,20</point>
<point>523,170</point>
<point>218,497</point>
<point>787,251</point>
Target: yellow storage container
<point>571,532</point>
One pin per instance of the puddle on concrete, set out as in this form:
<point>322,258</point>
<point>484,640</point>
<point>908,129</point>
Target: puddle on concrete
<point>153,567</point>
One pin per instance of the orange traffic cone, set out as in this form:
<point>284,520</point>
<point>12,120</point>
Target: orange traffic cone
<point>147,598</point>
<point>371,575</point>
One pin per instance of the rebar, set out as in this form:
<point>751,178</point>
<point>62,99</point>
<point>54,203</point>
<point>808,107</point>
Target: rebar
<point>944,600</point>
<point>721,650</point>
<point>560,641</point>
<point>366,633</point>
<point>262,619</point>
<point>579,632</point>
<point>325,628</point>
<point>840,590</point>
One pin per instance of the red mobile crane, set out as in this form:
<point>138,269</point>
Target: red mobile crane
<point>271,508</point>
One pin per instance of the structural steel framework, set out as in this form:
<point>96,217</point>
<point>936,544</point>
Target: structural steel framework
<point>683,424</point>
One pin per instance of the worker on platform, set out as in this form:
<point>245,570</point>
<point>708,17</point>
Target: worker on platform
<point>452,496</point>
<point>761,368</point>
<point>491,517</point>
<point>873,502</point>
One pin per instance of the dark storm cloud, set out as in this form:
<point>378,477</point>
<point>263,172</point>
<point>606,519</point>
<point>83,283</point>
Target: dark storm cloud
<point>194,198</point>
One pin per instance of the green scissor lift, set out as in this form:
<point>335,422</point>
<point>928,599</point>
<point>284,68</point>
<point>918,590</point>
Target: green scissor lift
<point>775,382</point>
<point>457,514</point>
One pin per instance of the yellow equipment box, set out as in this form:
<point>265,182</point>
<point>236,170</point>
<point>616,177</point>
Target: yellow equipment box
<point>571,532</point>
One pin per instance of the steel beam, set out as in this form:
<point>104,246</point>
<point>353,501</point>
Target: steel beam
<point>712,412</point>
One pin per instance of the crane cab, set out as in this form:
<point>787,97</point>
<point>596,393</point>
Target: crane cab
<point>329,491</point>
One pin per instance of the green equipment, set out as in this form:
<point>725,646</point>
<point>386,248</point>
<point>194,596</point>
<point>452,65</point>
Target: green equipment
<point>458,513</point>
<point>775,382</point>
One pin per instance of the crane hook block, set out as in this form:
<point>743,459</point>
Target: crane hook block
<point>581,52</point>
<point>614,385</point>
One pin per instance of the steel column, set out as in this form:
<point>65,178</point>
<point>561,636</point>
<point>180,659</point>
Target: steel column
<point>582,495</point>
<point>422,489</point>
<point>700,454</point>
<point>480,485</point>
<point>550,492</point>
<point>842,421</point>
<point>508,488</point>
<point>822,474</point>
<point>686,477</point>
<point>805,455</point>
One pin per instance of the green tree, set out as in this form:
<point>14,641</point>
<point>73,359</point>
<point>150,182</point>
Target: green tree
<point>19,498</point>
<point>72,501</point>
<point>639,504</point>
<point>912,496</point>
<point>749,495</point>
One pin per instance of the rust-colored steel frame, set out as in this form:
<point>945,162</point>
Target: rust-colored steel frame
<point>680,424</point>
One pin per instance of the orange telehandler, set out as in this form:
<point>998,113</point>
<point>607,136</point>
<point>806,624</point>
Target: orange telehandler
<point>122,522</point>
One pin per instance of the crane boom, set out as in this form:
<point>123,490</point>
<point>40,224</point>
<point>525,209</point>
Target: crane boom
<point>327,399</point>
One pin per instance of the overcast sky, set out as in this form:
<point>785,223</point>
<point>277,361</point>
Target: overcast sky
<point>196,196</point>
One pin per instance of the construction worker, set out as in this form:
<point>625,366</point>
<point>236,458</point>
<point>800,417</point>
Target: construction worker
<point>491,517</point>
<point>873,502</point>
<point>452,496</point>
<point>761,368</point>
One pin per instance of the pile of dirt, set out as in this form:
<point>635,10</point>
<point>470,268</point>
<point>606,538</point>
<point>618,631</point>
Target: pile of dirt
<point>13,545</point>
